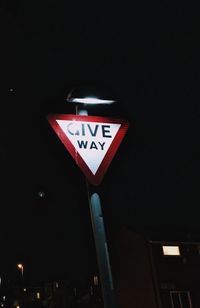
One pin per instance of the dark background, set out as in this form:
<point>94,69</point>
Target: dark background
<point>148,55</point>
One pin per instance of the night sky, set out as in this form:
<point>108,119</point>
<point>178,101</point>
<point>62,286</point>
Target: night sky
<point>148,56</point>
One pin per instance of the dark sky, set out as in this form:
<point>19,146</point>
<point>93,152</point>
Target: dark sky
<point>149,57</point>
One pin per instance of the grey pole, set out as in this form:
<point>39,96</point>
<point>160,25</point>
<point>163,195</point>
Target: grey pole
<point>101,245</point>
<point>102,251</point>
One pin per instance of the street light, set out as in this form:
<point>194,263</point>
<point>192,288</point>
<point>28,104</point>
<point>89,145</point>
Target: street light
<point>91,95</point>
<point>92,101</point>
<point>82,98</point>
<point>21,268</point>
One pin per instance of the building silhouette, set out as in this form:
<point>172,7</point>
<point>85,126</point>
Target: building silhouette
<point>150,273</point>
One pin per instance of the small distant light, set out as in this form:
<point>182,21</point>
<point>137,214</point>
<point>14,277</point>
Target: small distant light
<point>4,298</point>
<point>41,194</point>
<point>38,295</point>
<point>20,265</point>
<point>11,89</point>
<point>96,280</point>
<point>57,285</point>
<point>92,101</point>
<point>24,289</point>
<point>171,250</point>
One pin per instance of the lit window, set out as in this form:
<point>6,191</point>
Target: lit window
<point>171,250</point>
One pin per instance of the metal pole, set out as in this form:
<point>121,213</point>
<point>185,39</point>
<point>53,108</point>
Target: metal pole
<point>102,251</point>
<point>101,245</point>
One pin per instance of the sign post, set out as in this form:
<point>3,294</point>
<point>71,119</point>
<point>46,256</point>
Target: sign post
<point>93,142</point>
<point>102,252</point>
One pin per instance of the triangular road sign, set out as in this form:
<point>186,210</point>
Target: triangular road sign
<point>91,141</point>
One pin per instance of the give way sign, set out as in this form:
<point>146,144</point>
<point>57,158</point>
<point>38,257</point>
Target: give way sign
<point>92,141</point>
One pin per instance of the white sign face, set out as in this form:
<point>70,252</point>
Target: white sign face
<point>90,139</point>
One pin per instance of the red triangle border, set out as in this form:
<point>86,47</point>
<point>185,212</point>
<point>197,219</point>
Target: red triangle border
<point>97,178</point>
